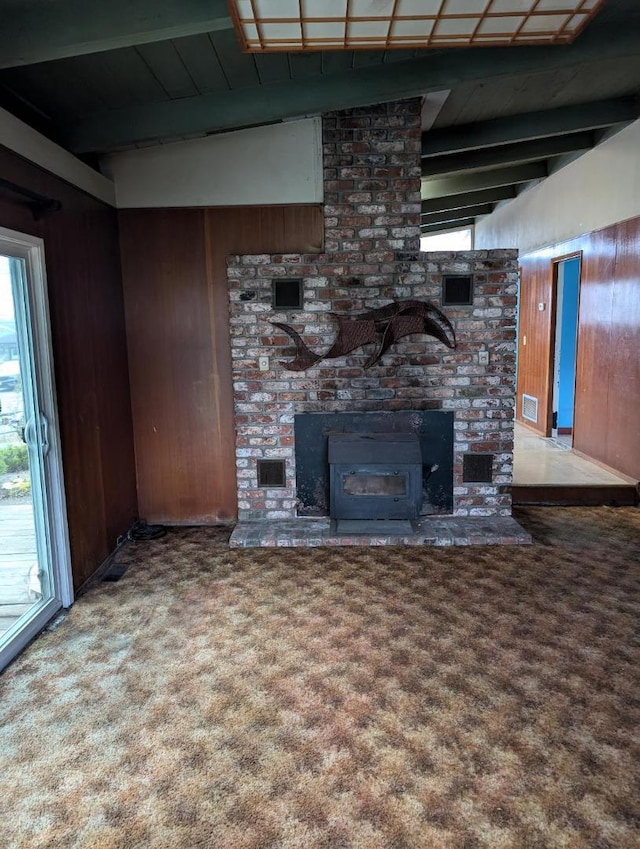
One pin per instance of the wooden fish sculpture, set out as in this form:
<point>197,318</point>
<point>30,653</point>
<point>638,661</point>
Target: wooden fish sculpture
<point>382,326</point>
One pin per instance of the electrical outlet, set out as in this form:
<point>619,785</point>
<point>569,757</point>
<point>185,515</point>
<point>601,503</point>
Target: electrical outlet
<point>483,358</point>
<point>263,363</point>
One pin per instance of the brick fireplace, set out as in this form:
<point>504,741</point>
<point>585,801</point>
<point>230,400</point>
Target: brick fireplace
<point>371,257</point>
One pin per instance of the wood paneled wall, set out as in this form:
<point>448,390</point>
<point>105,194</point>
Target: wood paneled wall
<point>90,358</point>
<point>534,337</point>
<point>175,283</point>
<point>606,423</point>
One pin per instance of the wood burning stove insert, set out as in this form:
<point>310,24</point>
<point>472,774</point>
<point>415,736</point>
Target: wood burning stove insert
<point>433,428</point>
<point>375,476</point>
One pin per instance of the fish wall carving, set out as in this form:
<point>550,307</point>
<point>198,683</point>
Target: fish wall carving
<point>383,327</point>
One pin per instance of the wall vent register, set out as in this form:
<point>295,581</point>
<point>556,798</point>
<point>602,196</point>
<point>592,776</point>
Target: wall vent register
<point>477,468</point>
<point>457,290</point>
<point>530,408</point>
<point>271,473</point>
<point>286,294</point>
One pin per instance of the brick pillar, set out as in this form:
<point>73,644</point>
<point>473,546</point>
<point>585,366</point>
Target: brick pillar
<point>372,178</point>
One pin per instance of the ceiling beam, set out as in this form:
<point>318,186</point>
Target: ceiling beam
<point>35,31</point>
<point>479,180</point>
<point>456,214</point>
<point>508,154</point>
<point>530,125</point>
<point>360,86</point>
<point>447,225</point>
<point>444,204</point>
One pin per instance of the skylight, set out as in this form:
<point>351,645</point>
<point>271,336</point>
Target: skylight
<point>299,25</point>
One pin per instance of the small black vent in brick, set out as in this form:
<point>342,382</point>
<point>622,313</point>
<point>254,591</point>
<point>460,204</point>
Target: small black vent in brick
<point>286,294</point>
<point>271,473</point>
<point>477,468</point>
<point>457,289</point>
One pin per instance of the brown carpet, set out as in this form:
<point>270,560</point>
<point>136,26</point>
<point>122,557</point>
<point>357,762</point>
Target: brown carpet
<point>338,699</point>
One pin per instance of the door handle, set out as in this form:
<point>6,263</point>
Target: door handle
<point>44,428</point>
<point>29,433</point>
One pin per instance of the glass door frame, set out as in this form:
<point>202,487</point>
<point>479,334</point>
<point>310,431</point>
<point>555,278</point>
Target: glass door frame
<point>31,250</point>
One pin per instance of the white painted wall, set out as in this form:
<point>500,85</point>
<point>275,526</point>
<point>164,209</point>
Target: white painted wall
<point>598,189</point>
<point>31,145</point>
<point>276,164</point>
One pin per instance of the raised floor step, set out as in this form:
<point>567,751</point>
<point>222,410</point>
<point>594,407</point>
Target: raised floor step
<point>572,495</point>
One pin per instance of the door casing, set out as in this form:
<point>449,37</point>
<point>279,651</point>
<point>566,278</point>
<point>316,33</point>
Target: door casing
<point>555,262</point>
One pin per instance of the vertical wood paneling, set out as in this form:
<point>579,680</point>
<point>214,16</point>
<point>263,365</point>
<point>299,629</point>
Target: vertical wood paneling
<point>606,423</point>
<point>534,337</point>
<point>174,403</point>
<point>90,358</point>
<point>596,356</point>
<point>615,323</point>
<point>174,272</point>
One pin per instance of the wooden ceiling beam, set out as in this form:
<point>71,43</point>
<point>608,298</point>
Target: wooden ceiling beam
<point>459,224</point>
<point>507,154</point>
<point>360,86</point>
<point>479,180</point>
<point>457,214</point>
<point>459,202</point>
<point>34,31</point>
<point>529,126</point>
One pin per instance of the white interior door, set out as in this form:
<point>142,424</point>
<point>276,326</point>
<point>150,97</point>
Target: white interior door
<point>35,573</point>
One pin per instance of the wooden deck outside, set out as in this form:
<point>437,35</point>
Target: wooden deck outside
<point>17,556</point>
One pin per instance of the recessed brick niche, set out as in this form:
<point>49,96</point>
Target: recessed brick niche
<point>372,215</point>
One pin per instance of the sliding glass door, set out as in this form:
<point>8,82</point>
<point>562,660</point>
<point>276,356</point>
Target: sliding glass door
<point>34,552</point>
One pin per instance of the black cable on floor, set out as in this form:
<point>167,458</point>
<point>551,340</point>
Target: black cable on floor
<point>141,531</point>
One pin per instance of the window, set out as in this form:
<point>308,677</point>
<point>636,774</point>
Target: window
<point>453,240</point>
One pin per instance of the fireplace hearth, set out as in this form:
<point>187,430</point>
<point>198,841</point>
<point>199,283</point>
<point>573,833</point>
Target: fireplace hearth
<point>374,476</point>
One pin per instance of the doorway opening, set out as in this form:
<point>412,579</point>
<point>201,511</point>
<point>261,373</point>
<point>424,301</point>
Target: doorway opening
<point>566,298</point>
<point>547,468</point>
<point>35,571</point>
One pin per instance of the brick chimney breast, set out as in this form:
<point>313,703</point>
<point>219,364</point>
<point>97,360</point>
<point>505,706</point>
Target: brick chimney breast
<point>371,257</point>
